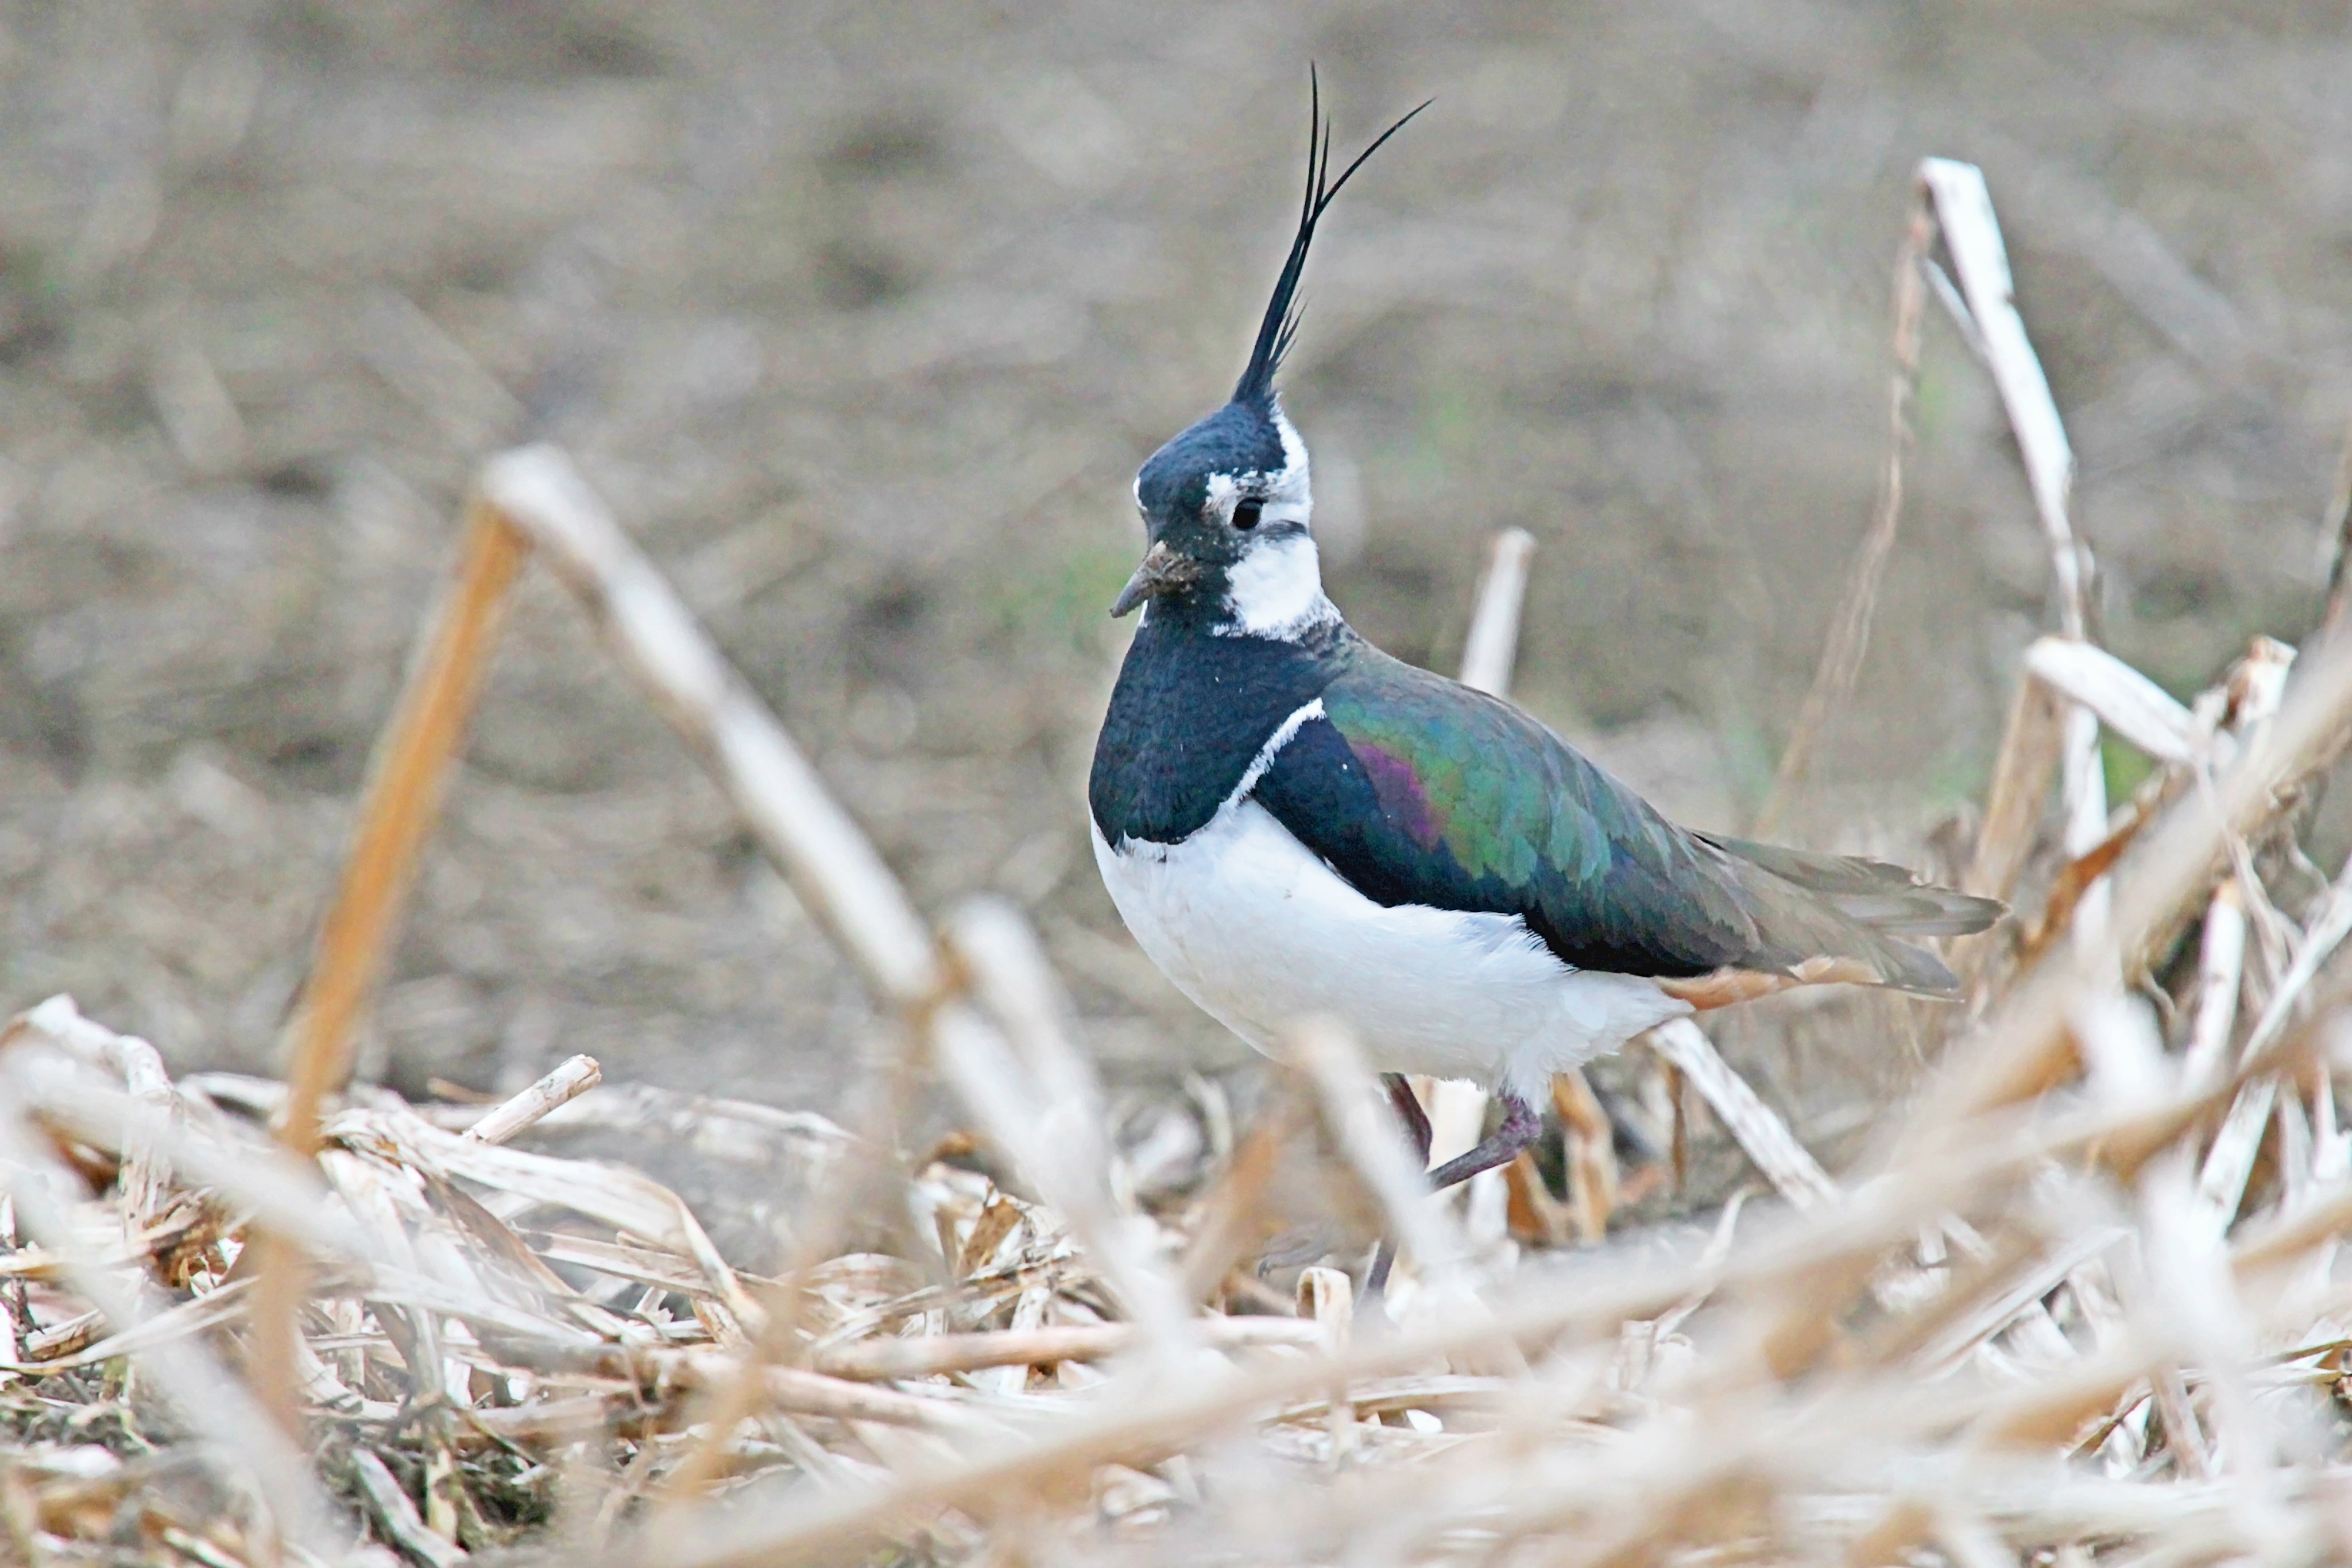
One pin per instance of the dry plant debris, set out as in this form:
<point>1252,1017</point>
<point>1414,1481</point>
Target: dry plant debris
<point>2080,1304</point>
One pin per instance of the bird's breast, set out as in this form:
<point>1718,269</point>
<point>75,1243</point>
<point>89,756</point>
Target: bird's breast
<point>1189,715</point>
<point>1259,931</point>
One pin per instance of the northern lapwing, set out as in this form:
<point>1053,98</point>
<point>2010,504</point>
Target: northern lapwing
<point>1291,823</point>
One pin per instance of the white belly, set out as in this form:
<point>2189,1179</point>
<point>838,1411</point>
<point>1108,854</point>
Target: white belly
<point>1259,931</point>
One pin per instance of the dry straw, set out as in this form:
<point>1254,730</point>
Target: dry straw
<point>2078,1302</point>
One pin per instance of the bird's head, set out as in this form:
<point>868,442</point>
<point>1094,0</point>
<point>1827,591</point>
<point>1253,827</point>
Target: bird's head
<point>1225,506</point>
<point>1226,503</point>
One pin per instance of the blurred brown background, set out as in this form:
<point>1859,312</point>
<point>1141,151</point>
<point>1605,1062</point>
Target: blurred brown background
<point>863,315</point>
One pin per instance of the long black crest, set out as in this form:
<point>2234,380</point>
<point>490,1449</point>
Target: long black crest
<point>1281,323</point>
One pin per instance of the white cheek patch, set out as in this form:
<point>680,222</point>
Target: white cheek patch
<point>1276,590</point>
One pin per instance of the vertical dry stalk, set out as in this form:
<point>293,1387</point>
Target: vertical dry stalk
<point>2028,758</point>
<point>2220,976</point>
<point>1841,662</point>
<point>396,812</point>
<point>1972,233</point>
<point>1532,1210</point>
<point>1493,644</point>
<point>1326,1299</point>
<point>2222,1181</point>
<point>2335,526</point>
<point>1592,1155</point>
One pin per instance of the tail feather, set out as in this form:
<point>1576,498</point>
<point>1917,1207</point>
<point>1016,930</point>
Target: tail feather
<point>1814,906</point>
<point>1933,912</point>
<point>1872,893</point>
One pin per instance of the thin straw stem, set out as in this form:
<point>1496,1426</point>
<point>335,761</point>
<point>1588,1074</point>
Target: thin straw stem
<point>396,813</point>
<point>1849,638</point>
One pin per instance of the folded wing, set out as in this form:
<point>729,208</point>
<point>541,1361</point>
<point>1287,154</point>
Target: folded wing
<point>1419,790</point>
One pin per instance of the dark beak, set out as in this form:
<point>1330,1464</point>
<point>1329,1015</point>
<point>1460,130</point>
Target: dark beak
<point>1163,571</point>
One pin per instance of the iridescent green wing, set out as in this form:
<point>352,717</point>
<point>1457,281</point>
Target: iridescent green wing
<point>1418,790</point>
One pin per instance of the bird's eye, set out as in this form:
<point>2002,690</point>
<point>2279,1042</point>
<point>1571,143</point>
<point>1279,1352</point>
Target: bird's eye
<point>1245,514</point>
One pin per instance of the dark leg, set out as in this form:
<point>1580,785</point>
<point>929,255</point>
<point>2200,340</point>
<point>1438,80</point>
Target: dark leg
<point>1520,1125</point>
<point>1416,1132</point>
<point>1519,1128</point>
<point>1409,1112</point>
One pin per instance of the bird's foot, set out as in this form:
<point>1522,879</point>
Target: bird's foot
<point>1519,1128</point>
<point>1520,1125</point>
